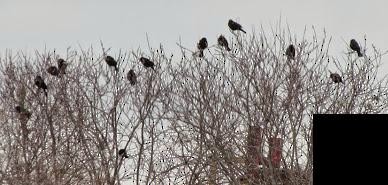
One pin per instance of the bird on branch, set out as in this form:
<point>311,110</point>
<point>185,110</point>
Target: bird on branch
<point>355,47</point>
<point>223,42</point>
<point>235,26</point>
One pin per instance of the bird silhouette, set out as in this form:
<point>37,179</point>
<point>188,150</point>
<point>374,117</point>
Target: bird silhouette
<point>223,42</point>
<point>235,26</point>
<point>336,78</point>
<point>131,76</point>
<point>147,63</point>
<point>290,52</point>
<point>355,47</point>
<point>111,62</point>
<point>123,153</point>
<point>53,70</point>
<point>202,45</point>
<point>62,65</point>
<point>18,109</point>
<point>39,82</point>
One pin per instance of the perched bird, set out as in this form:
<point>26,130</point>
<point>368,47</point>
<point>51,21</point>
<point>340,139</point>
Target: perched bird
<point>147,63</point>
<point>235,26</point>
<point>355,47</point>
<point>290,52</point>
<point>111,62</point>
<point>53,70</point>
<point>202,45</point>
<point>131,76</point>
<point>39,82</point>
<point>19,109</point>
<point>223,42</point>
<point>24,113</point>
<point>61,66</point>
<point>336,78</point>
<point>123,153</point>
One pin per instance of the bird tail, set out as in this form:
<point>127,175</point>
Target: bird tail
<point>116,68</point>
<point>243,31</point>
<point>62,71</point>
<point>45,92</point>
<point>359,53</point>
<point>227,48</point>
<point>201,53</point>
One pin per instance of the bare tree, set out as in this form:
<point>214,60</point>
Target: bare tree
<point>217,119</point>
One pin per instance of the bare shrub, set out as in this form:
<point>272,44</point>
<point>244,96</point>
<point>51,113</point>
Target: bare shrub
<point>187,121</point>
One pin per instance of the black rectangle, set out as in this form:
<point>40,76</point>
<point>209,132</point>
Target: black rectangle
<point>350,148</point>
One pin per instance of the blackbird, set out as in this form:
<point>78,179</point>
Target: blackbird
<point>131,76</point>
<point>355,47</point>
<point>39,82</point>
<point>223,42</point>
<point>202,45</point>
<point>123,153</point>
<point>235,26</point>
<point>62,65</point>
<point>336,78</point>
<point>147,63</point>
<point>111,62</point>
<point>290,52</point>
<point>53,70</point>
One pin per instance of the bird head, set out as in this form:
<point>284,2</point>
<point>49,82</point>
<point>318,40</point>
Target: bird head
<point>18,109</point>
<point>142,59</point>
<point>60,61</point>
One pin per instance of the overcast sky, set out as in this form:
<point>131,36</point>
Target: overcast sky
<point>33,24</point>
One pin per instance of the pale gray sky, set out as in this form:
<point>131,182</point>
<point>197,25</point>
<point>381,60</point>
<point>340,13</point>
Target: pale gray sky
<point>26,24</point>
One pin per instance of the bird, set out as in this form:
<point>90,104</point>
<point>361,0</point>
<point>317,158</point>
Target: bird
<point>355,47</point>
<point>131,76</point>
<point>336,78</point>
<point>235,26</point>
<point>147,63</point>
<point>39,82</point>
<point>223,42</point>
<point>111,62</point>
<point>202,45</point>
<point>53,70</point>
<point>61,66</point>
<point>123,153</point>
<point>19,109</point>
<point>290,52</point>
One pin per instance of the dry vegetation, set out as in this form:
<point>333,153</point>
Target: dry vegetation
<point>184,123</point>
